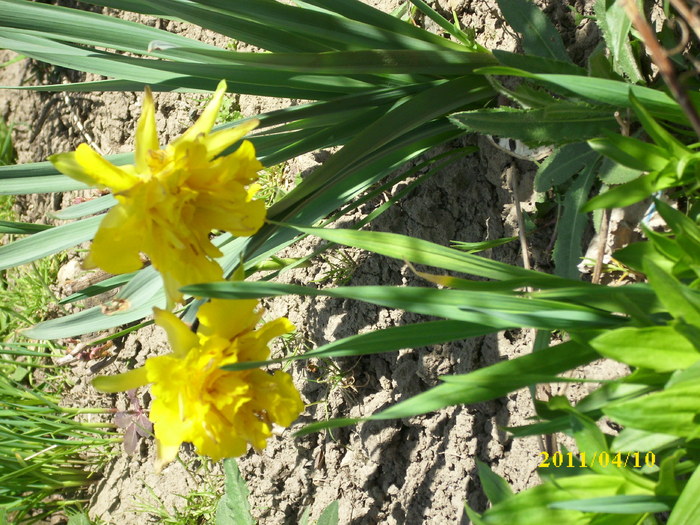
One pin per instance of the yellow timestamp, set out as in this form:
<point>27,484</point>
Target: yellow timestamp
<point>601,459</point>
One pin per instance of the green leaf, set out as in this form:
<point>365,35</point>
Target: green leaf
<point>631,152</point>
<point>233,506</point>
<point>492,309</point>
<point>540,504</point>
<point>687,507</point>
<point>680,223</point>
<point>557,124</point>
<point>680,303</point>
<point>603,91</point>
<point>48,242</point>
<point>675,410</point>
<point>22,228</point>
<point>386,340</point>
<point>418,251</point>
<point>657,133</point>
<point>632,504</point>
<point>563,164</point>
<point>90,207</point>
<point>482,385</point>
<point>634,255</point>
<point>612,173</point>
<point>633,440</point>
<point>495,487</point>
<point>537,64</point>
<point>615,25</point>
<point>668,472</point>
<point>625,194</point>
<point>493,381</point>
<point>539,36</point>
<point>329,516</point>
<point>591,441</point>
<point>659,348</point>
<point>568,248</point>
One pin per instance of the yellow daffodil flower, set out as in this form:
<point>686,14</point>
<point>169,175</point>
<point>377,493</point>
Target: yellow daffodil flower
<point>194,401</point>
<point>171,199</point>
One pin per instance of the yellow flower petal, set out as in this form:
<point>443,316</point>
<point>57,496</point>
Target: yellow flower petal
<point>228,318</point>
<point>146,133</point>
<point>181,338</point>
<point>86,165</point>
<point>116,245</point>
<point>273,329</point>
<point>206,120</point>
<point>218,141</point>
<point>120,382</point>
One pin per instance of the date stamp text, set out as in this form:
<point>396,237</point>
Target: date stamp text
<point>601,459</point>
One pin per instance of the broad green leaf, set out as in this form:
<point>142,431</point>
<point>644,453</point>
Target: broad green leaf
<point>687,508</point>
<point>538,34</point>
<point>673,294</point>
<point>563,164</point>
<point>329,516</point>
<point>631,152</point>
<point>48,242</point>
<point>674,410</point>
<point>668,474</point>
<point>233,507</point>
<point>539,504</point>
<point>558,124</point>
<point>591,441</point>
<point>495,487</point>
<point>625,194</point>
<point>568,248</point>
<point>633,255</point>
<point>611,18</point>
<point>633,440</point>
<point>680,223</point>
<point>657,133</point>
<point>659,348</point>
<point>612,173</point>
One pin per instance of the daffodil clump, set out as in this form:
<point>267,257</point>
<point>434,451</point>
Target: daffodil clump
<point>171,199</point>
<point>218,411</point>
<point>168,203</point>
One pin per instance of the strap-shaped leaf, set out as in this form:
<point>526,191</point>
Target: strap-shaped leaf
<point>538,34</point>
<point>48,242</point>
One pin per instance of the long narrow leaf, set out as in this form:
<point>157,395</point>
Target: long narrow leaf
<point>48,242</point>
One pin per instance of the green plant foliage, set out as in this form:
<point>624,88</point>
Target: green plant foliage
<point>382,92</point>
<point>233,507</point>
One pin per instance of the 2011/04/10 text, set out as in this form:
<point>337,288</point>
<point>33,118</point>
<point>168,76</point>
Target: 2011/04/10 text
<point>602,459</point>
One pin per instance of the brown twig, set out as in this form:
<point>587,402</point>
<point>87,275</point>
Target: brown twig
<point>660,57</point>
<point>690,15</point>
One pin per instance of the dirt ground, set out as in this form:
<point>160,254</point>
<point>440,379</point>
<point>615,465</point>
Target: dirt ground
<point>418,470</point>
